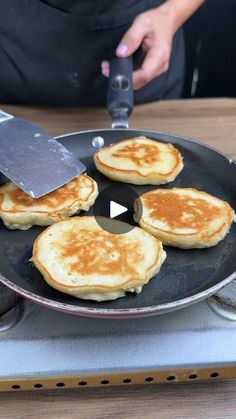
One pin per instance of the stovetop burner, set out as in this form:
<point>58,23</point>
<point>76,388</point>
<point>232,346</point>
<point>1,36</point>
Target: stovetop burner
<point>8,299</point>
<point>224,302</point>
<point>43,348</point>
<point>11,308</point>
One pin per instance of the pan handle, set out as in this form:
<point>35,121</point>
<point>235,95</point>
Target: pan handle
<point>120,97</point>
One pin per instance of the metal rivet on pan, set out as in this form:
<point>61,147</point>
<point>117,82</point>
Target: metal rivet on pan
<point>98,142</point>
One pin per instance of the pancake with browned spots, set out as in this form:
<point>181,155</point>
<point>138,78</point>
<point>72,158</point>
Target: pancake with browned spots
<point>139,160</point>
<point>184,217</point>
<point>19,211</point>
<point>78,257</point>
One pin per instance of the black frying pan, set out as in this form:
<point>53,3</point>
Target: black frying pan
<point>186,277</point>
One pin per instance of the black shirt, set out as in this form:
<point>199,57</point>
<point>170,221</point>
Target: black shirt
<point>51,51</point>
<point>102,13</point>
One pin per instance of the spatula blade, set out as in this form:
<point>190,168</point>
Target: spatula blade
<point>33,160</point>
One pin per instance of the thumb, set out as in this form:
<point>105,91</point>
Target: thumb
<point>132,39</point>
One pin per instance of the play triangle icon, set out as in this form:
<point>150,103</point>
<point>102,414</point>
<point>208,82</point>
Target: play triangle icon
<point>116,209</point>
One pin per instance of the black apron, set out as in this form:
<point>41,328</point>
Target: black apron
<point>51,51</point>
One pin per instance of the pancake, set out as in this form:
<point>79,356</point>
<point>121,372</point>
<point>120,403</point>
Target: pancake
<point>78,257</point>
<point>140,161</point>
<point>19,211</point>
<point>185,218</point>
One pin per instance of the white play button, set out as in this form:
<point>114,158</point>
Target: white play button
<point>116,209</point>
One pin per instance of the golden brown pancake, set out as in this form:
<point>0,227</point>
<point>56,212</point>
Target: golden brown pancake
<point>139,160</point>
<point>184,217</point>
<point>19,211</point>
<point>78,257</point>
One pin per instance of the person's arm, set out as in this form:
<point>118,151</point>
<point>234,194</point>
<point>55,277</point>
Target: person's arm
<point>154,30</point>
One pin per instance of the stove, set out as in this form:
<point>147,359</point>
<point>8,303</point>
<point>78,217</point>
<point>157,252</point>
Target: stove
<point>40,348</point>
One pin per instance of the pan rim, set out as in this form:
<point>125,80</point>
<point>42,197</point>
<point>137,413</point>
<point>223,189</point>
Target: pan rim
<point>127,312</point>
<point>188,139</point>
<point>118,313</point>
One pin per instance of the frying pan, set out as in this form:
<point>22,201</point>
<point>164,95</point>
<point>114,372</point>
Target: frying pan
<point>186,277</point>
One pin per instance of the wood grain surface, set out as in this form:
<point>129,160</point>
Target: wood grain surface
<point>212,122</point>
<point>179,401</point>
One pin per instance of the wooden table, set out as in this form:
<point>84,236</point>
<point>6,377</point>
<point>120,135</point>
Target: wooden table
<point>212,122</point>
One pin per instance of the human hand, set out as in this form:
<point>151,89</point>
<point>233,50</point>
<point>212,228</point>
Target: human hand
<point>153,31</point>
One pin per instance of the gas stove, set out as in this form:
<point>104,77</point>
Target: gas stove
<point>40,348</point>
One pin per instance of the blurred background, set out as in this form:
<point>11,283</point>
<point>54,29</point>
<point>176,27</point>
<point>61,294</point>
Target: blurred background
<point>210,37</point>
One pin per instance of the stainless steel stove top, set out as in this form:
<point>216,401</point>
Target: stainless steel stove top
<point>45,346</point>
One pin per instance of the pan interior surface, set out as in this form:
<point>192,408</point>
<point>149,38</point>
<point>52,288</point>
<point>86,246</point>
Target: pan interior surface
<point>184,275</point>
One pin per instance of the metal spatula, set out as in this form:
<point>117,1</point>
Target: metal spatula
<point>32,159</point>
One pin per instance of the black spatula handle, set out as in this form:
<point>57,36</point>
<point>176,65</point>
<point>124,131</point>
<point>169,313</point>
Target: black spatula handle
<point>120,88</point>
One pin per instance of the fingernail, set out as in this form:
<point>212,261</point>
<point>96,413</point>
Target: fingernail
<point>122,49</point>
<point>105,64</point>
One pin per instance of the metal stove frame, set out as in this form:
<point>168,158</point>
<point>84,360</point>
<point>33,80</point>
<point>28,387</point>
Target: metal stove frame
<point>47,350</point>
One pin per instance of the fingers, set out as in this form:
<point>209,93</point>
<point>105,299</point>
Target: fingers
<point>156,62</point>
<point>133,38</point>
<point>105,68</point>
<point>149,31</point>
